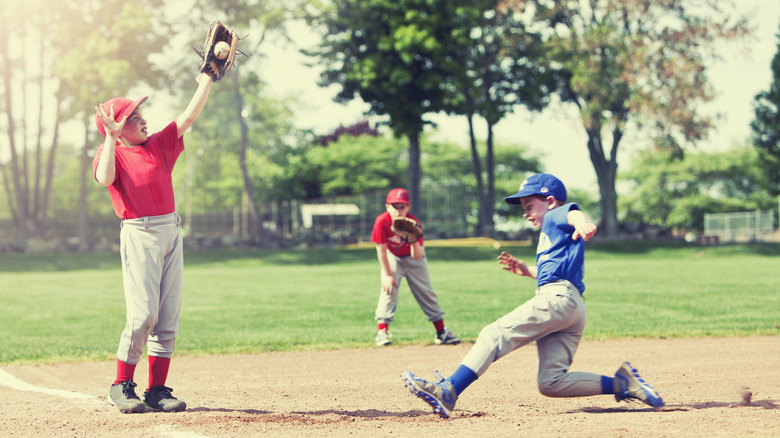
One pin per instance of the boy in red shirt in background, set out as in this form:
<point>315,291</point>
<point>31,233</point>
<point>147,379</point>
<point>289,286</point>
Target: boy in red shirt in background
<point>399,259</point>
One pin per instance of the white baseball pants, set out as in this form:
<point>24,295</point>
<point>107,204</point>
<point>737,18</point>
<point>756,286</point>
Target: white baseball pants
<point>152,269</point>
<point>419,279</point>
<point>554,318</point>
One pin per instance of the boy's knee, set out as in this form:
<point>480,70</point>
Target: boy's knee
<point>550,388</point>
<point>145,326</point>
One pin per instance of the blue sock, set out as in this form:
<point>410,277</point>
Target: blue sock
<point>607,385</point>
<point>462,378</point>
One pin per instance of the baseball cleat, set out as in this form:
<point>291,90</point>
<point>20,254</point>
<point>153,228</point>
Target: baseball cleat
<point>441,396</point>
<point>633,386</point>
<point>159,398</point>
<point>382,338</point>
<point>446,337</point>
<point>122,395</point>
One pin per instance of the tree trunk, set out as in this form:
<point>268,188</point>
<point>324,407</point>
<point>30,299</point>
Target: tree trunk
<point>86,172</point>
<point>254,211</point>
<point>477,176</point>
<point>490,202</point>
<point>37,212</point>
<point>414,172</point>
<point>265,238</point>
<point>52,156</point>
<point>13,184</point>
<point>606,171</point>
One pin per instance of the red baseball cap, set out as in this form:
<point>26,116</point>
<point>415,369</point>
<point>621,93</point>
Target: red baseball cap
<point>398,196</point>
<point>122,107</point>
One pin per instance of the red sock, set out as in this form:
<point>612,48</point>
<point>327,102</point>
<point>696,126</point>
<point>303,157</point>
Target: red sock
<point>158,370</point>
<point>438,325</point>
<point>124,372</point>
<point>383,326</point>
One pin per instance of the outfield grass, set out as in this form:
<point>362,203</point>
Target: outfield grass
<point>66,308</point>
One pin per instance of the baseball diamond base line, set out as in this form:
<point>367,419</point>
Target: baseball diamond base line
<point>720,387</point>
<point>6,379</point>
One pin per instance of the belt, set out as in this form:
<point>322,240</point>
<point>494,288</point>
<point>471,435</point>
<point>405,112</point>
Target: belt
<point>153,221</point>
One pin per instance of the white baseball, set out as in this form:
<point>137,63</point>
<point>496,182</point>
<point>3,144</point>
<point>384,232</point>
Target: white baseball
<point>221,50</point>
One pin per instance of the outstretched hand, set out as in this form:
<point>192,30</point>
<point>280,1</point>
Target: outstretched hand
<point>514,265</point>
<point>113,127</point>
<point>586,231</point>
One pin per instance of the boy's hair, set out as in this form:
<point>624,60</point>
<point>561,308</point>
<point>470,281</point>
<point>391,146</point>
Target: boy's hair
<point>558,202</point>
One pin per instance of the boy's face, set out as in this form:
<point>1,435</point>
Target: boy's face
<point>134,131</point>
<point>398,209</point>
<point>535,207</point>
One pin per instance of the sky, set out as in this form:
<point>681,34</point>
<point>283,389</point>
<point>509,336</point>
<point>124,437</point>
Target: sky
<point>556,134</point>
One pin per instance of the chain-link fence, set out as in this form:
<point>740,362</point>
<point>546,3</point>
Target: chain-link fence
<point>742,226</point>
<point>207,222</point>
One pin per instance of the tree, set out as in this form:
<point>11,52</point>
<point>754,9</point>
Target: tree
<point>349,160</point>
<point>59,72</point>
<point>266,18</point>
<point>451,165</point>
<point>396,55</point>
<point>766,126</point>
<point>353,165</point>
<point>676,193</point>
<point>640,62</point>
<point>502,67</point>
<point>354,130</point>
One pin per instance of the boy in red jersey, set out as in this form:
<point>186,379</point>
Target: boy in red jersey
<point>398,259</point>
<point>136,167</point>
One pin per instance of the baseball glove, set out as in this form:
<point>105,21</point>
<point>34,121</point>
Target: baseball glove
<point>407,229</point>
<point>213,66</point>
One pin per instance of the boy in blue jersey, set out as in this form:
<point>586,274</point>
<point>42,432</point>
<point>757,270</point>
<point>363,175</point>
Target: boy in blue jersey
<point>554,318</point>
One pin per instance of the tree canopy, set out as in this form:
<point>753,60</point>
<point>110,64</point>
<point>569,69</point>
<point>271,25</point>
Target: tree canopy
<point>675,193</point>
<point>634,63</point>
<point>766,126</point>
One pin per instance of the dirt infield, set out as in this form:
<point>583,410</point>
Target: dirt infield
<point>359,393</point>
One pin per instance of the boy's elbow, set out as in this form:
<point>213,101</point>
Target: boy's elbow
<point>104,180</point>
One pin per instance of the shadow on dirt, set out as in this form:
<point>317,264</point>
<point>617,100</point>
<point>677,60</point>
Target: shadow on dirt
<point>765,404</point>
<point>243,411</point>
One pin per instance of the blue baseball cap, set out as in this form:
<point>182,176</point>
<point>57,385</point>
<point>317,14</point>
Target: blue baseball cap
<point>540,184</point>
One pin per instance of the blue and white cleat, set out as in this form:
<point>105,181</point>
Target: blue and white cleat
<point>633,386</point>
<point>441,395</point>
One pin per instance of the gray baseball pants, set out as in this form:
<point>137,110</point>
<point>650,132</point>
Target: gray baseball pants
<point>419,279</point>
<point>152,267</point>
<point>554,318</point>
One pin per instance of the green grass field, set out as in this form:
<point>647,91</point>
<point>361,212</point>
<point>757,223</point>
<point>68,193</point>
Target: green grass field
<point>65,308</point>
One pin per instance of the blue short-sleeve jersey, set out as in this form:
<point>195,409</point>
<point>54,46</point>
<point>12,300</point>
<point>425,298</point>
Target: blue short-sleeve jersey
<point>558,257</point>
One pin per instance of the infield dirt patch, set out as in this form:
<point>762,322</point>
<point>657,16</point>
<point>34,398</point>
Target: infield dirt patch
<point>712,387</point>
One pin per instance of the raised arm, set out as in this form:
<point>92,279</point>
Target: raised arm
<point>105,173</point>
<point>198,101</point>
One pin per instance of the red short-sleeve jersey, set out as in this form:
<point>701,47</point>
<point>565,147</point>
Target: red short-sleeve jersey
<point>143,185</point>
<point>383,234</point>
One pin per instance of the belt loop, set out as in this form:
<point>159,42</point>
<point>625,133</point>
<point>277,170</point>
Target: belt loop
<point>146,222</point>
<point>178,218</point>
